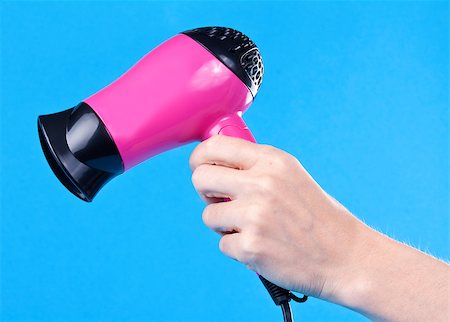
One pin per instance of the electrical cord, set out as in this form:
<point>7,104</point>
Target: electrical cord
<point>287,313</point>
<point>281,297</point>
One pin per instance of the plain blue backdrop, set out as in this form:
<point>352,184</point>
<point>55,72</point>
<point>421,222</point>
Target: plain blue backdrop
<point>357,91</point>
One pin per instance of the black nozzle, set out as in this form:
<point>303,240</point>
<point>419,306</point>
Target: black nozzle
<point>235,50</point>
<point>79,150</point>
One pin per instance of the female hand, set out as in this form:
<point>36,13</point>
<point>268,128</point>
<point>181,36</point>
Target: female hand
<point>275,219</point>
<point>278,222</point>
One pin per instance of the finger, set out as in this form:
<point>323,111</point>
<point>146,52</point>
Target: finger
<point>227,151</point>
<point>224,217</point>
<point>215,181</point>
<point>230,245</point>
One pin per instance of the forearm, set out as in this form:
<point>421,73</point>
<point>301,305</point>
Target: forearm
<point>394,282</point>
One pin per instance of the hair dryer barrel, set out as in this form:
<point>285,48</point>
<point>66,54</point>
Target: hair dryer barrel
<point>189,88</point>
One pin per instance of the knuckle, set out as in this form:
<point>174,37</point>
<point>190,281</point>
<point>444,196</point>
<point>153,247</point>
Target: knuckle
<point>223,245</point>
<point>268,149</point>
<point>251,249</point>
<point>258,228</point>
<point>201,151</point>
<point>254,213</point>
<point>212,142</point>
<point>195,178</point>
<point>257,218</point>
<point>281,161</point>
<point>228,248</point>
<point>267,183</point>
<point>198,175</point>
<point>205,215</point>
<point>194,158</point>
<point>276,158</point>
<point>266,153</point>
<point>288,160</point>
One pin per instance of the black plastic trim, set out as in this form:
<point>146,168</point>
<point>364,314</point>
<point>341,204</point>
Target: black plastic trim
<point>90,142</point>
<point>87,170</point>
<point>235,50</point>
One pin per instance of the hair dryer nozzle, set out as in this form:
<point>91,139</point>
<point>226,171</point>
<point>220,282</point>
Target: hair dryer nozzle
<point>70,141</point>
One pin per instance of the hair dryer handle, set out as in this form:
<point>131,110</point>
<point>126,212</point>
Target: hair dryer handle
<point>231,125</point>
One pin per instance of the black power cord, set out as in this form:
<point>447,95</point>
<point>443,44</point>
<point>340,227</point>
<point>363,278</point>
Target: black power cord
<point>287,313</point>
<point>281,297</point>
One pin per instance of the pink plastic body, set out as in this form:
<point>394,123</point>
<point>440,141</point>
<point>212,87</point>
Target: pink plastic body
<point>177,93</point>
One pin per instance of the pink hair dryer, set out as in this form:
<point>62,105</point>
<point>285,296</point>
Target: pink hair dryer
<point>189,88</point>
<point>194,85</point>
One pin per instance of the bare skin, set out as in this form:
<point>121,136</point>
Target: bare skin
<point>281,224</point>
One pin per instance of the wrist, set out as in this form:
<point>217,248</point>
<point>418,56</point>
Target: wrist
<point>358,282</point>
<point>354,282</point>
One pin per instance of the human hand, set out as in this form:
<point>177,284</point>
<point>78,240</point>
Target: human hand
<point>278,222</point>
<point>281,224</point>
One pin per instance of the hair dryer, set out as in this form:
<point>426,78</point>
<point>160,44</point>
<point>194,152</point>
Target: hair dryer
<point>189,88</point>
<point>192,86</point>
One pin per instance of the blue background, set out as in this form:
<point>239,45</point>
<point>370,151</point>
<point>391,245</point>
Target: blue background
<point>357,91</point>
